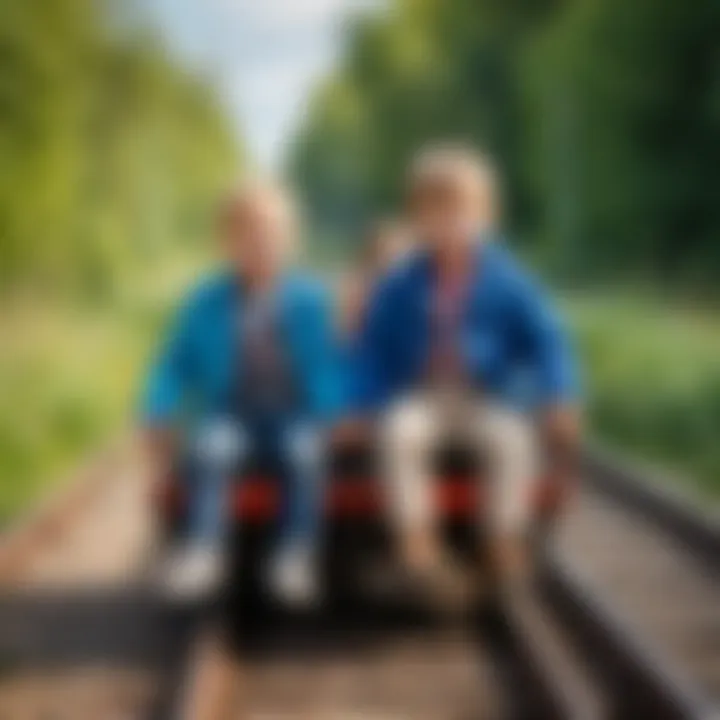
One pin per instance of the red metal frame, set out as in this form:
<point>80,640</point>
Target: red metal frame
<point>257,499</point>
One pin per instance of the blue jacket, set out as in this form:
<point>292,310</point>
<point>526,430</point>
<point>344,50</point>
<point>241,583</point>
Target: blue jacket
<point>199,362</point>
<point>511,343</point>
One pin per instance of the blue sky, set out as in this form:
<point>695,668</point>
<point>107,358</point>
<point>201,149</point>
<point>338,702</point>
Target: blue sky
<point>266,56</point>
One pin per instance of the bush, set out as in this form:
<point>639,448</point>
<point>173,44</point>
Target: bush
<point>653,382</point>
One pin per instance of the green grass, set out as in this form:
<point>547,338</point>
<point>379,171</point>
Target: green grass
<point>652,375</point>
<point>69,375</point>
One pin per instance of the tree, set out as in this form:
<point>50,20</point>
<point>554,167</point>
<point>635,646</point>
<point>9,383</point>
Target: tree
<point>110,151</point>
<point>603,116</point>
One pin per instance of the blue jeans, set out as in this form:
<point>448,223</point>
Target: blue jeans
<point>293,448</point>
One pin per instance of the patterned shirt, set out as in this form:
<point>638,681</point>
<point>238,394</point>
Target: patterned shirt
<point>265,384</point>
<point>448,304</point>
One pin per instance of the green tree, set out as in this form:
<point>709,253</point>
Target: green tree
<point>603,115</point>
<point>111,151</point>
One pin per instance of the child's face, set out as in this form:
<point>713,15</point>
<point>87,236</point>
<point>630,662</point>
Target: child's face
<point>447,213</point>
<point>255,236</point>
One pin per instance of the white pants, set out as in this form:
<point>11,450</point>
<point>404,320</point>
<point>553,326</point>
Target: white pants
<point>503,438</point>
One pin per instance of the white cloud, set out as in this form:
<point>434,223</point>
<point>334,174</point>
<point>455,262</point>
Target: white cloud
<point>274,85</point>
<point>266,54</point>
<point>293,12</point>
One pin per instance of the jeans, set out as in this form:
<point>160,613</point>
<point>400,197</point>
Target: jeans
<point>293,447</point>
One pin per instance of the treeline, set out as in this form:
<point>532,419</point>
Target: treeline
<point>110,150</point>
<point>604,115</point>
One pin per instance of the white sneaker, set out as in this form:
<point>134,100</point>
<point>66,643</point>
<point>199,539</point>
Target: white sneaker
<point>191,572</point>
<point>293,576</point>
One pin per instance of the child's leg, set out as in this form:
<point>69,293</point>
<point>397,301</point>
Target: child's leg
<point>302,454</point>
<point>221,447</point>
<point>303,451</point>
<point>196,566</point>
<point>409,431</point>
<point>508,440</point>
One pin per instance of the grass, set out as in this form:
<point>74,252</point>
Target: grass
<point>653,382</point>
<point>69,373</point>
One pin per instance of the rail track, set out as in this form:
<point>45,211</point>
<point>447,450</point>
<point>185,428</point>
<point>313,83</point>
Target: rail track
<point>636,568</point>
<point>624,622</point>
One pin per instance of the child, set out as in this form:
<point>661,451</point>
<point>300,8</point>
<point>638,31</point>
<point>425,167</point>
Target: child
<point>251,359</point>
<point>448,336</point>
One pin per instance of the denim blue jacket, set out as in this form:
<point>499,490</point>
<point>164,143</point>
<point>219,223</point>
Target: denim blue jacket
<point>511,341</point>
<point>199,363</point>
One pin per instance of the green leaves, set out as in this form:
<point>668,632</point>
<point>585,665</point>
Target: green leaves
<point>111,159</point>
<point>602,113</point>
<point>111,151</point>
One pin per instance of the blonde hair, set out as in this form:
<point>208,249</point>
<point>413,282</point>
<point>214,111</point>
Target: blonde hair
<point>268,190</point>
<point>447,164</point>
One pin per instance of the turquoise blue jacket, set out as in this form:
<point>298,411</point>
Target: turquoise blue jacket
<point>511,340</point>
<point>199,363</point>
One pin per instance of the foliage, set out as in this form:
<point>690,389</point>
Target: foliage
<point>112,157</point>
<point>70,380</point>
<point>111,152</point>
<point>604,115</point>
<point>653,381</point>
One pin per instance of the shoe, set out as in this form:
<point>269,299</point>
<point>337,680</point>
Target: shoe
<point>293,576</point>
<point>191,573</point>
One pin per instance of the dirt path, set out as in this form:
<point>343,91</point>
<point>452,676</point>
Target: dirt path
<point>76,640</point>
<point>108,541</point>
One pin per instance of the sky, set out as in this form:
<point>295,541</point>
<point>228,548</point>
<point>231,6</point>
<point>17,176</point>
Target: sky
<point>266,56</point>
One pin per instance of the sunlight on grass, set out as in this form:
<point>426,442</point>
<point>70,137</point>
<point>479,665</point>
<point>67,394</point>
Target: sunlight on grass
<point>653,382</point>
<point>70,377</point>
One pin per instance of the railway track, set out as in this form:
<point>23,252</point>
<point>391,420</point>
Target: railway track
<point>639,566</point>
<point>317,672</point>
<point>403,664</point>
<point>623,624</point>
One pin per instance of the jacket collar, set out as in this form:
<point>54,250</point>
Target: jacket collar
<point>483,251</point>
<point>231,286</point>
